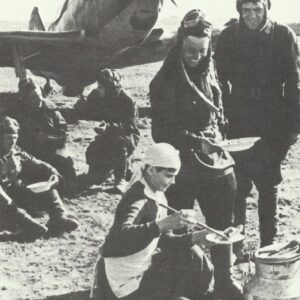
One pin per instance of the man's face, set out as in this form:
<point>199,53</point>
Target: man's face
<point>113,89</point>
<point>253,14</point>
<point>194,49</point>
<point>161,179</point>
<point>9,141</point>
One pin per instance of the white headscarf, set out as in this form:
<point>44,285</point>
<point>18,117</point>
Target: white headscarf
<point>161,155</point>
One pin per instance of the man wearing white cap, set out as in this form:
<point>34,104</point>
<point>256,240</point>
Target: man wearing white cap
<point>141,257</point>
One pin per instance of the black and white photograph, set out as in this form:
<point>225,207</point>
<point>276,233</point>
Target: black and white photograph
<point>150,150</point>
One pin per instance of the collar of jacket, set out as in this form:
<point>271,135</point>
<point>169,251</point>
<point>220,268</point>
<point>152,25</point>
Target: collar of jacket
<point>265,30</point>
<point>156,196</point>
<point>201,95</point>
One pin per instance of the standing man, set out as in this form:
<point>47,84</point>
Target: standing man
<point>187,113</point>
<point>257,66</point>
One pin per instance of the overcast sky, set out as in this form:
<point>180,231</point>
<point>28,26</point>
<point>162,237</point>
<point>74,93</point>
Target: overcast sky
<point>219,11</point>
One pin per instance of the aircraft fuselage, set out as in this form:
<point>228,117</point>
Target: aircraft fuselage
<point>110,26</point>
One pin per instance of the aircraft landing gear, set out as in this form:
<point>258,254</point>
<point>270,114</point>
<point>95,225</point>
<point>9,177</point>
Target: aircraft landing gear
<point>18,59</point>
<point>47,89</point>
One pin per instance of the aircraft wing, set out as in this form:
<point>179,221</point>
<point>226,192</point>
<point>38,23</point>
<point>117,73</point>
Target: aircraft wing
<point>35,44</point>
<point>73,59</point>
<point>57,55</point>
<point>41,37</point>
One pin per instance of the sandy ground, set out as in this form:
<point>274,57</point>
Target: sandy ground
<point>62,268</point>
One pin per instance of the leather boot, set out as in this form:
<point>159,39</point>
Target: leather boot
<point>59,222</point>
<point>226,288</point>
<point>30,229</point>
<point>267,209</point>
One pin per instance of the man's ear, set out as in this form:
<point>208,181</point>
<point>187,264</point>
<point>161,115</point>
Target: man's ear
<point>151,170</point>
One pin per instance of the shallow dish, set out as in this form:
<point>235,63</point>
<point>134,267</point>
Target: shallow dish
<point>40,187</point>
<point>236,145</point>
<point>213,238</point>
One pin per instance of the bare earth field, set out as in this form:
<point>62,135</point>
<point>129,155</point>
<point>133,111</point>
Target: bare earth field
<point>61,269</point>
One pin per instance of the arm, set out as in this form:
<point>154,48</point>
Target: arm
<point>180,220</point>
<point>133,228</point>
<point>31,165</point>
<point>130,114</point>
<point>292,82</point>
<point>5,200</point>
<point>165,127</point>
<point>222,122</point>
<point>50,129</point>
<point>223,64</point>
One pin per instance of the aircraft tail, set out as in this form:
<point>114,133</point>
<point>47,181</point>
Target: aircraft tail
<point>35,22</point>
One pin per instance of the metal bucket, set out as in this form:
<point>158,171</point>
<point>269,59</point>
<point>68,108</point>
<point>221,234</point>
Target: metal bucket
<point>275,278</point>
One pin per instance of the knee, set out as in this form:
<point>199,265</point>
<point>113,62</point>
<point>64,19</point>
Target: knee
<point>207,267</point>
<point>267,189</point>
<point>97,174</point>
<point>50,196</point>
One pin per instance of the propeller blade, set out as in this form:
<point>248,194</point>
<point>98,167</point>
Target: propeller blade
<point>173,1</point>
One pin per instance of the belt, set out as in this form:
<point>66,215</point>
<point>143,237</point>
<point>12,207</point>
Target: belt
<point>254,93</point>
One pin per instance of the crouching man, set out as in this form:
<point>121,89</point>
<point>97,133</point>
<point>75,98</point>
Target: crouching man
<point>17,170</point>
<point>141,256</point>
<point>44,132</point>
<point>117,135</point>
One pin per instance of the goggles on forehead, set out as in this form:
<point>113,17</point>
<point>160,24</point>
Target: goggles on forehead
<point>239,3</point>
<point>109,76</point>
<point>193,18</point>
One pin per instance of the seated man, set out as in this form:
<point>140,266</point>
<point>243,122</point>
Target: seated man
<point>44,131</point>
<point>117,135</point>
<point>17,170</point>
<point>141,256</point>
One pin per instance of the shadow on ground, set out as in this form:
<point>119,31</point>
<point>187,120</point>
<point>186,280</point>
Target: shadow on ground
<point>81,295</point>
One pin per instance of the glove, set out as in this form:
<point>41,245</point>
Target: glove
<point>208,146</point>
<point>101,128</point>
<point>19,184</point>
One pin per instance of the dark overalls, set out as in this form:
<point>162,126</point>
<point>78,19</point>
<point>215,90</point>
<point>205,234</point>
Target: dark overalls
<point>113,147</point>
<point>261,67</point>
<point>179,117</point>
<point>50,123</point>
<point>20,202</point>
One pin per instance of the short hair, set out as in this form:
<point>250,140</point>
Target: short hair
<point>159,169</point>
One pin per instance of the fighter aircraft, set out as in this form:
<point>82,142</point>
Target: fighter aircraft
<point>87,36</point>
